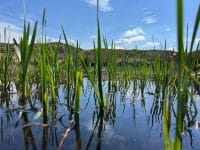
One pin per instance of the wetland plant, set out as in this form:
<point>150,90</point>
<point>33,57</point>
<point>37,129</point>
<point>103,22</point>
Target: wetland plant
<point>43,69</point>
<point>24,51</point>
<point>183,72</point>
<point>5,62</point>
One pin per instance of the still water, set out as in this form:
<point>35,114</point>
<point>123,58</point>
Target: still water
<point>135,121</point>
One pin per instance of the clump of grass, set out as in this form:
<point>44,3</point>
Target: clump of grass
<point>5,63</point>
<point>91,79</point>
<point>111,65</point>
<point>24,51</point>
<point>54,70</point>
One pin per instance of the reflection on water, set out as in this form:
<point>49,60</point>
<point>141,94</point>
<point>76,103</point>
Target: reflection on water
<point>140,116</point>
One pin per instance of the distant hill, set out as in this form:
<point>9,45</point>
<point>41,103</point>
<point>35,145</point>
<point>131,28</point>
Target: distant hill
<point>132,55</point>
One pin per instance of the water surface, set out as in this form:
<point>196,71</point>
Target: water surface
<point>135,121</point>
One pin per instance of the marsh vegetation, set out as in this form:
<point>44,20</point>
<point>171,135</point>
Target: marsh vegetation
<point>60,96</point>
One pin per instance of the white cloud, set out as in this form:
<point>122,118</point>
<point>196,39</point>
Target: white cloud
<point>133,32</point>
<point>130,40</point>
<point>15,31</point>
<point>150,19</point>
<point>168,29</point>
<point>131,36</point>
<point>14,25</point>
<point>104,5</point>
<point>12,31</point>
<point>151,44</point>
<point>119,47</point>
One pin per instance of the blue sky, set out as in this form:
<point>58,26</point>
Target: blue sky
<point>127,22</point>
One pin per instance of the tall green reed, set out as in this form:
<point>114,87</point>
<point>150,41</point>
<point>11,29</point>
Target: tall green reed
<point>43,68</point>
<point>183,72</point>
<point>78,91</point>
<point>68,64</point>
<point>98,57</point>
<point>24,51</point>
